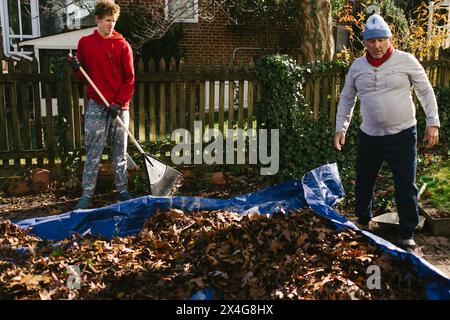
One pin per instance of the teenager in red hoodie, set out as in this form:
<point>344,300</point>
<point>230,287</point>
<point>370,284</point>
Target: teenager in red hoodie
<point>108,59</point>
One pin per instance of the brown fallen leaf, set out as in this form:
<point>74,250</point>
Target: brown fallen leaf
<point>275,245</point>
<point>301,239</point>
<point>221,249</point>
<point>30,281</point>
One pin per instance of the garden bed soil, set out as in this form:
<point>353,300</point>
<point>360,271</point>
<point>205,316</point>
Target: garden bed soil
<point>437,221</point>
<point>437,213</point>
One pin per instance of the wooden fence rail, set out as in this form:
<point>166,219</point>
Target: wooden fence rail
<point>168,96</point>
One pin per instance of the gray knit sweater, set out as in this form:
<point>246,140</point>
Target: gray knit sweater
<point>385,92</point>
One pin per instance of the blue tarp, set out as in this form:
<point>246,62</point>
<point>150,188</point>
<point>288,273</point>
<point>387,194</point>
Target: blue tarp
<point>319,189</point>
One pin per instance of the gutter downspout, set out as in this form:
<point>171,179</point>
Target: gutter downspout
<point>16,55</point>
<point>5,26</point>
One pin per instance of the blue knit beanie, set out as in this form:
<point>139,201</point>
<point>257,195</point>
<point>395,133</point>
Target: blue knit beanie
<point>376,27</point>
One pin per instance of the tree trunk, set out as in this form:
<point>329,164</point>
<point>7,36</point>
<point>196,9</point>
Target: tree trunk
<point>316,29</point>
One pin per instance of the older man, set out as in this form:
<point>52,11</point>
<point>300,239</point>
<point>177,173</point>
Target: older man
<point>382,80</point>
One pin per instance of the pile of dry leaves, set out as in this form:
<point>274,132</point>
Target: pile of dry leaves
<point>242,257</point>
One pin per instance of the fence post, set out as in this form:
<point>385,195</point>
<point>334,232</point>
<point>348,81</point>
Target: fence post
<point>241,101</point>
<point>70,132</point>
<point>324,94</point>
<point>25,102</point>
<point>308,95</point>
<point>212,95</point>
<point>222,101</point>
<point>251,99</point>
<point>76,114</point>
<point>162,102</point>
<point>15,116</point>
<point>173,96</point>
<point>152,102</point>
<point>3,124</point>
<point>258,99</point>
<point>140,108</point>
<point>230,102</point>
<point>333,98</point>
<point>49,124</point>
<point>182,111</point>
<point>202,104</point>
<point>316,96</point>
<point>192,114</point>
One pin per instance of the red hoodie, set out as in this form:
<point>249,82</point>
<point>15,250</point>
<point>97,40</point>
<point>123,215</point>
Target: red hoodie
<point>109,63</point>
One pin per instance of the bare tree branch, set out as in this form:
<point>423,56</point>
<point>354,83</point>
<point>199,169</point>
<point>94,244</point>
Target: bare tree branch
<point>154,24</point>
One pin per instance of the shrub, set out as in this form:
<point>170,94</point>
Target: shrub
<point>305,143</point>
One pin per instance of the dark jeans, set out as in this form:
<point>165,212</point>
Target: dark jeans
<point>400,152</point>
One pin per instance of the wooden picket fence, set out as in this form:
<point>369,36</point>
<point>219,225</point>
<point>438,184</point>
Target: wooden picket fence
<point>168,96</point>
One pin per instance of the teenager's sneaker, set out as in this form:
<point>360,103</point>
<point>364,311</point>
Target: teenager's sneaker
<point>361,226</point>
<point>84,203</point>
<point>405,243</point>
<point>125,195</point>
<point>369,226</point>
<point>409,245</point>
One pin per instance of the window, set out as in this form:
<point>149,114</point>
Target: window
<point>21,19</point>
<point>28,19</point>
<point>182,10</point>
<point>63,15</point>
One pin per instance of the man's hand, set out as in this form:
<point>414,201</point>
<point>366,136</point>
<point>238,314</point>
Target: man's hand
<point>432,136</point>
<point>74,62</point>
<point>339,140</point>
<point>114,110</point>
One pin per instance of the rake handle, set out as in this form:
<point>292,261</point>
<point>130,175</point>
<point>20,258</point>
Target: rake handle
<point>107,105</point>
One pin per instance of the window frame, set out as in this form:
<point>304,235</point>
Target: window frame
<point>74,26</point>
<point>34,20</point>
<point>183,20</point>
<point>67,17</point>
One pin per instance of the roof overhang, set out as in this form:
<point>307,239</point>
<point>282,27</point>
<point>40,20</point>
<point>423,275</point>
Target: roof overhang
<point>66,40</point>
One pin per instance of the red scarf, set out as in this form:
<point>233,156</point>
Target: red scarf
<point>379,62</point>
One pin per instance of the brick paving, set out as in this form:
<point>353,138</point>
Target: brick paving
<point>436,249</point>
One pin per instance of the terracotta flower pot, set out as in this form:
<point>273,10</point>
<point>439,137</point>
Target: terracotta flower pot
<point>218,179</point>
<point>106,169</point>
<point>18,187</point>
<point>186,173</point>
<point>40,179</point>
<point>106,176</point>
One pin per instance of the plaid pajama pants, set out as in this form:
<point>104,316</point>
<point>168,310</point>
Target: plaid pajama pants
<point>98,124</point>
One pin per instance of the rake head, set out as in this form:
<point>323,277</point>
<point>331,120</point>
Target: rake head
<point>163,180</point>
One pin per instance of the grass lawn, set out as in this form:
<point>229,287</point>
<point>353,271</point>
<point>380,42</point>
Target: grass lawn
<point>438,195</point>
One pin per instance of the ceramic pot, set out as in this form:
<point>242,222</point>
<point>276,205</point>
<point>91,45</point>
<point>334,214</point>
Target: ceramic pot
<point>40,179</point>
<point>18,187</point>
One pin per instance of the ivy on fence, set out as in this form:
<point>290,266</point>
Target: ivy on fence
<point>304,143</point>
